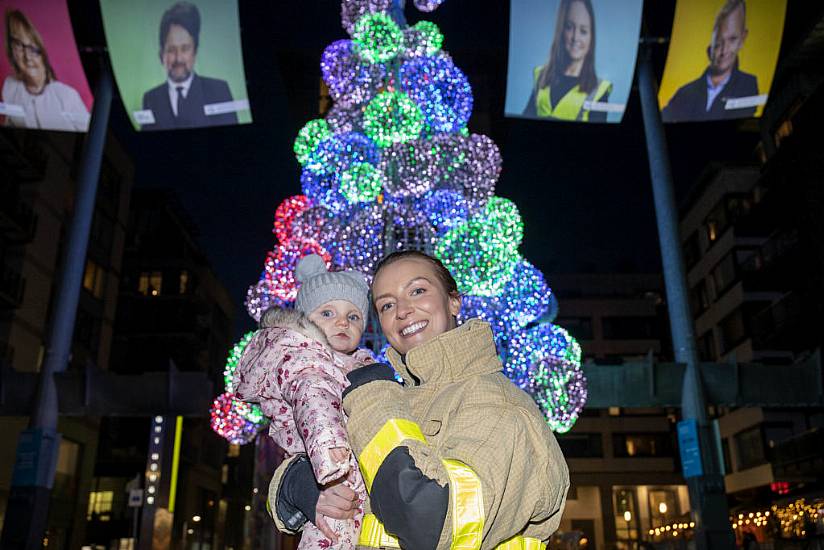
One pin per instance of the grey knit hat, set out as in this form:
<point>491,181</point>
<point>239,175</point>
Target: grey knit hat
<point>319,286</point>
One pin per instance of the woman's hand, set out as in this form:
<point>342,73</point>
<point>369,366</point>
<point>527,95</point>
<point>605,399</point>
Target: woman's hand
<point>336,501</point>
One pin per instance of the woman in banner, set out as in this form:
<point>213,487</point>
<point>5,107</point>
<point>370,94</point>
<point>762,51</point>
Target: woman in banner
<point>456,457</point>
<point>564,87</point>
<point>33,97</point>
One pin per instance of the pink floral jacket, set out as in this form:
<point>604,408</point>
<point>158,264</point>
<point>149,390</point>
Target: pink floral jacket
<point>298,380</point>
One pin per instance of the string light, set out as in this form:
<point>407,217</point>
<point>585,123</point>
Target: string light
<point>351,80</point>
<point>482,253</point>
<point>445,209</point>
<point>391,117</point>
<point>423,38</point>
<point>377,38</point>
<point>361,182</point>
<point>428,5</point>
<point>352,10</point>
<point>228,421</point>
<point>285,215</point>
<point>279,267</point>
<point>441,91</point>
<point>232,360</point>
<point>312,133</point>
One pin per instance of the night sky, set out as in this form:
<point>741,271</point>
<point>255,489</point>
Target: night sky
<point>583,190</point>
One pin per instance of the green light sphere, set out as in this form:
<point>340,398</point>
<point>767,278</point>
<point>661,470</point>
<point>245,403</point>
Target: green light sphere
<point>377,38</point>
<point>312,133</point>
<point>361,183</point>
<point>391,117</point>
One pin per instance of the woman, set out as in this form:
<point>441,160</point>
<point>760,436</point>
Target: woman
<point>563,87</point>
<point>33,97</point>
<point>458,457</point>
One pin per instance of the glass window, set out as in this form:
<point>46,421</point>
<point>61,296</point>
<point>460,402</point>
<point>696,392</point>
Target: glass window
<point>94,278</point>
<point>699,298</point>
<point>642,445</point>
<point>724,274</point>
<point>100,505</point>
<point>706,346</point>
<point>149,283</point>
<point>750,445</point>
<point>576,445</point>
<point>692,250</point>
<point>733,330</point>
<point>626,515</point>
<point>662,506</point>
<point>184,282</point>
<point>630,328</point>
<point>579,327</point>
<point>716,223</point>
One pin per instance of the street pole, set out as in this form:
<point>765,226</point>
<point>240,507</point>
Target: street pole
<point>37,449</point>
<point>707,496</point>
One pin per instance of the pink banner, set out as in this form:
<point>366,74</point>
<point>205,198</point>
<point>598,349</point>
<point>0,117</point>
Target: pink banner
<point>43,83</point>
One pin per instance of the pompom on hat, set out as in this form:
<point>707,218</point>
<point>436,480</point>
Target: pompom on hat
<point>318,286</point>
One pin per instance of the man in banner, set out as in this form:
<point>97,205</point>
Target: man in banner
<point>706,98</point>
<point>186,99</point>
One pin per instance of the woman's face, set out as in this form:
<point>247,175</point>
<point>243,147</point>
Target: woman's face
<point>413,306</point>
<point>28,57</point>
<point>577,31</point>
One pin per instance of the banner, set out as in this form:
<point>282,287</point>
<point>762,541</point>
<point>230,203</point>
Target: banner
<point>721,59</point>
<point>177,64</point>
<point>571,59</point>
<point>44,86</point>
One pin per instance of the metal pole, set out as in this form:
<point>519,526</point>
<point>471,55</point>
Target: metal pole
<point>707,496</point>
<point>38,446</point>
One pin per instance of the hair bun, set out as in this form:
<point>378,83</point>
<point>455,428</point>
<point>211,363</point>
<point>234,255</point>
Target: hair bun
<point>309,266</point>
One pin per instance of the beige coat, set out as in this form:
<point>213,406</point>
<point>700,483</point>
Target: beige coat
<point>469,411</point>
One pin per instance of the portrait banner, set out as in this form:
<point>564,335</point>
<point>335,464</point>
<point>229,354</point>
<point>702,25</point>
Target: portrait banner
<point>177,64</point>
<point>571,60</point>
<point>721,59</point>
<point>44,86</point>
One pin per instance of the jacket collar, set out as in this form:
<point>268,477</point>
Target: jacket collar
<point>460,353</point>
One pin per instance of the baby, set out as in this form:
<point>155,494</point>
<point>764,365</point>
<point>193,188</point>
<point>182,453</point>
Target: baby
<point>295,366</point>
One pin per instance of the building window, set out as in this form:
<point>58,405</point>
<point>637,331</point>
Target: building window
<point>700,298</point>
<point>94,278</point>
<point>733,330</point>
<point>716,223</point>
<point>579,327</point>
<point>626,516</point>
<point>630,328</point>
<point>100,506</point>
<point>663,506</point>
<point>183,284</point>
<point>576,445</point>
<point>750,445</point>
<point>149,283</point>
<point>706,346</point>
<point>692,250</point>
<point>642,445</point>
<point>724,274</point>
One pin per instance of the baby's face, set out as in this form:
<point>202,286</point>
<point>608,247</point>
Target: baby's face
<point>341,322</point>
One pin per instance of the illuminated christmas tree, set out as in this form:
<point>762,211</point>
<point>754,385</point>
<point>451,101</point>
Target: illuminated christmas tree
<point>393,166</point>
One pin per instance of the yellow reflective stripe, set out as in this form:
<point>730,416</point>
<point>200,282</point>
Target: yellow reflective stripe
<point>521,543</point>
<point>467,498</point>
<point>374,535</point>
<point>388,437</point>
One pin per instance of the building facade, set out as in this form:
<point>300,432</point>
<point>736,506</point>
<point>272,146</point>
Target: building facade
<point>624,470</point>
<point>38,171</point>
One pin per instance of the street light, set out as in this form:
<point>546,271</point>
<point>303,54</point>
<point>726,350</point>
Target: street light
<point>196,518</point>
<point>627,516</point>
<point>662,508</point>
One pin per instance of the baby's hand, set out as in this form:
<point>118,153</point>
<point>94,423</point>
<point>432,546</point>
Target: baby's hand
<point>339,455</point>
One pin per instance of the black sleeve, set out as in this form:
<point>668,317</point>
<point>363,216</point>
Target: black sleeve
<point>298,494</point>
<point>369,373</point>
<point>410,505</point>
<point>600,116</point>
